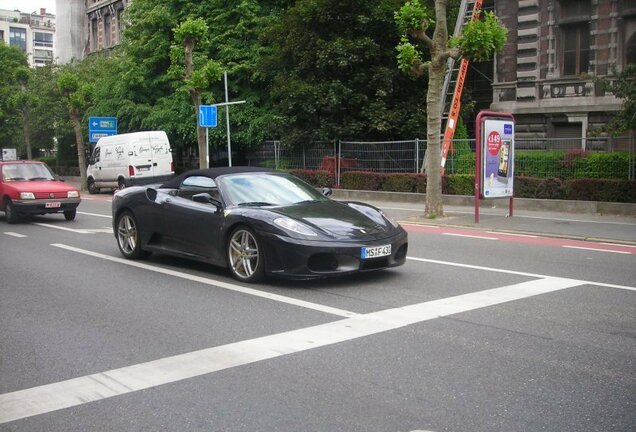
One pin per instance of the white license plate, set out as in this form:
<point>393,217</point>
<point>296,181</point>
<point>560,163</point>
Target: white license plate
<point>375,252</point>
<point>53,204</point>
<point>143,168</point>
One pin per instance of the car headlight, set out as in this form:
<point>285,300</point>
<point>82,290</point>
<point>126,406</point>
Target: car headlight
<point>27,195</point>
<point>390,219</point>
<point>295,226</point>
<point>72,194</point>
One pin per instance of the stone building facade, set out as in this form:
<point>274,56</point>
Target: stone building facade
<point>544,75</point>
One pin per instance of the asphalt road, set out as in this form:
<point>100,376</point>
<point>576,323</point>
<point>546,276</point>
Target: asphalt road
<point>479,331</point>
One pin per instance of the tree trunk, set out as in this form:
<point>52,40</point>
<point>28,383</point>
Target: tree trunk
<point>79,141</point>
<point>26,130</point>
<point>437,68</point>
<point>204,162</point>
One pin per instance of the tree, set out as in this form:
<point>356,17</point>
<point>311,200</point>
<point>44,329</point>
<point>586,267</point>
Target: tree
<point>21,101</point>
<point>479,41</point>
<point>77,97</point>
<point>623,86</point>
<point>332,73</point>
<point>13,62</point>
<point>196,72</point>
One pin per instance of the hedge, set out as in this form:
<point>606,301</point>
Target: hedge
<point>317,179</point>
<point>591,189</point>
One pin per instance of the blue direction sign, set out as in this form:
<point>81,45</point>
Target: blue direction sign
<point>99,127</point>
<point>207,116</point>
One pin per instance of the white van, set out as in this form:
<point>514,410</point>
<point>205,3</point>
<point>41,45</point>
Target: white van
<point>129,159</point>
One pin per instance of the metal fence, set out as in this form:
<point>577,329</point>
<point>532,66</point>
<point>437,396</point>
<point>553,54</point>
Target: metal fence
<point>560,158</point>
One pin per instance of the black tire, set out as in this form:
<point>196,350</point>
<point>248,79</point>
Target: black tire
<point>69,215</point>
<point>92,189</point>
<point>245,255</point>
<point>128,239</point>
<point>11,213</point>
<point>121,183</point>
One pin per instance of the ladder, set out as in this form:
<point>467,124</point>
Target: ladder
<point>469,10</point>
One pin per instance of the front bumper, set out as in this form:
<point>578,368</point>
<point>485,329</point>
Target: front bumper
<point>302,259</point>
<point>39,206</point>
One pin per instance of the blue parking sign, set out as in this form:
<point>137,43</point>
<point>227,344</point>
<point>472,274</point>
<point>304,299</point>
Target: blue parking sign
<point>207,116</point>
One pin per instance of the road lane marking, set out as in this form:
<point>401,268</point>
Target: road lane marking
<point>95,214</point>
<point>618,244</point>
<point>518,273</point>
<point>78,391</point>
<point>212,282</point>
<point>14,234</point>
<point>470,236</point>
<point>512,234</point>
<point>596,250</point>
<point>77,231</point>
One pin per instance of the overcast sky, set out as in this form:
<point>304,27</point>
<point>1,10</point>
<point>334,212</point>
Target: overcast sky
<point>28,6</point>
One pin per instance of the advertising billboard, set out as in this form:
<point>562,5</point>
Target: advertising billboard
<point>497,151</point>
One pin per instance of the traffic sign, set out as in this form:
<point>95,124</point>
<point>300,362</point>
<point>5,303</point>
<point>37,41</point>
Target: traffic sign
<point>207,115</point>
<point>99,127</point>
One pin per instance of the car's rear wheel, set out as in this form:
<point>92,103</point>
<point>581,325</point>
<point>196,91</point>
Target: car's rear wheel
<point>121,183</point>
<point>11,213</point>
<point>90,184</point>
<point>245,256</point>
<point>69,215</point>
<point>128,238</point>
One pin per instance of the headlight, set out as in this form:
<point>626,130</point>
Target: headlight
<point>27,195</point>
<point>72,194</point>
<point>390,219</point>
<point>292,225</point>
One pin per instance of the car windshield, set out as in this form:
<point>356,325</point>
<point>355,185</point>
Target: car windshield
<point>26,171</point>
<point>265,189</point>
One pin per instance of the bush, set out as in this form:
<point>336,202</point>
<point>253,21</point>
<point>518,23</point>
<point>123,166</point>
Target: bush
<point>399,182</point>
<point>609,190</point>
<point>550,188</point>
<point>317,179</point>
<point>361,180</point>
<point>460,184</point>
<point>614,165</point>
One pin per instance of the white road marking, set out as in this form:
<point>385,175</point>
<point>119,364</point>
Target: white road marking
<point>95,214</point>
<point>14,234</point>
<point>77,231</point>
<point>596,250</point>
<point>512,234</point>
<point>216,283</point>
<point>52,397</point>
<point>514,272</point>
<point>470,236</point>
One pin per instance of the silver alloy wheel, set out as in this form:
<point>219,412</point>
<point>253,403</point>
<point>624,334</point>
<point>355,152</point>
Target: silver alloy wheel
<point>127,234</point>
<point>243,254</point>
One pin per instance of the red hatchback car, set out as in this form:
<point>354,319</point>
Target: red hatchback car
<point>30,188</point>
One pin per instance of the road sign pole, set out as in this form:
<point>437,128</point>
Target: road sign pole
<point>227,122</point>
<point>207,149</point>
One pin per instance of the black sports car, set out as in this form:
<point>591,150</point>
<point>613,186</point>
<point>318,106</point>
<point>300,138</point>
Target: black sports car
<point>255,222</point>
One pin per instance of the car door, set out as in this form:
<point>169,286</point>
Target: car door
<point>192,227</point>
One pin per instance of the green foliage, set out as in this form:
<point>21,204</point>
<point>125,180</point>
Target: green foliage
<point>412,16</point>
<point>317,179</point>
<point>623,86</point>
<point>192,31</point>
<point>482,38</point>
<point>572,164</point>
<point>361,180</point>
<point>398,182</point>
<point>12,64</point>
<point>408,56</point>
<point>606,190</point>
<point>461,184</point>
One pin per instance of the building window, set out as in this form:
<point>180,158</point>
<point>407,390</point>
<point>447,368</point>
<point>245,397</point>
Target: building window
<point>107,31</point>
<point>94,35</point>
<point>17,38</point>
<point>576,49</point>
<point>574,29</point>
<point>43,39</point>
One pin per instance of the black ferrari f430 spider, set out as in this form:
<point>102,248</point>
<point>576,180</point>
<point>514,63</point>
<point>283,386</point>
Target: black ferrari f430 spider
<point>256,222</point>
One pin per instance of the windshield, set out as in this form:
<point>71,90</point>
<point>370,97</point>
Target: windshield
<point>26,171</point>
<point>265,189</point>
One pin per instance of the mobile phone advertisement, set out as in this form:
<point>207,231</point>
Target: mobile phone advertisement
<point>497,158</point>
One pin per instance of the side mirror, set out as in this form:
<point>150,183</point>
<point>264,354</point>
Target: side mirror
<point>206,198</point>
<point>326,191</point>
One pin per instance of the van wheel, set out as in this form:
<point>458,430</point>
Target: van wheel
<point>92,189</point>
<point>121,184</point>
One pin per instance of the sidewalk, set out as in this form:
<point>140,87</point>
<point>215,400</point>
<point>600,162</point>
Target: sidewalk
<point>493,217</point>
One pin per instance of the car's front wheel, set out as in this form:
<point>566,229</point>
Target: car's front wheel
<point>128,239</point>
<point>245,256</point>
<point>69,215</point>
<point>92,188</point>
<point>10,212</point>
